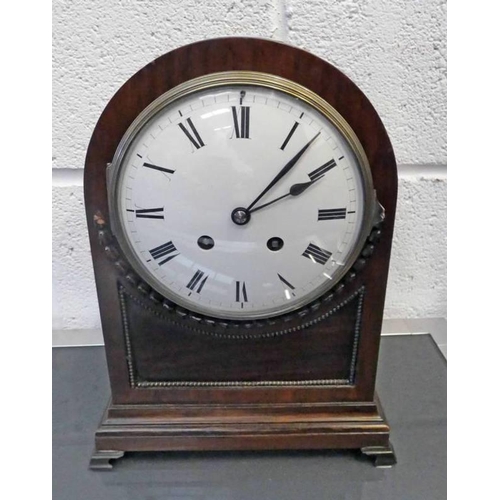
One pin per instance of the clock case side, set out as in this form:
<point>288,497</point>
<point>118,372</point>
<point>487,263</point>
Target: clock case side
<point>182,405</point>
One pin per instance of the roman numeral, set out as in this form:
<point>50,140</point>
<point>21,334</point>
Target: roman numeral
<point>241,292</point>
<point>289,136</point>
<point>197,279</point>
<point>322,170</point>
<point>156,167</point>
<point>241,131</point>
<point>317,254</point>
<point>287,284</point>
<point>162,251</point>
<point>332,213</point>
<point>196,140</point>
<point>149,213</point>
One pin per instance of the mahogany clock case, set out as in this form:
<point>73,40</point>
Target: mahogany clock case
<point>181,381</point>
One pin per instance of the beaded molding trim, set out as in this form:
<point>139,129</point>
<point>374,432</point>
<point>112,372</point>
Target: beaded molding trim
<point>111,249</point>
<point>240,336</point>
<point>123,295</point>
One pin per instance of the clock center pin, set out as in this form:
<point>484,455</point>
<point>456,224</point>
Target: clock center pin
<point>240,216</point>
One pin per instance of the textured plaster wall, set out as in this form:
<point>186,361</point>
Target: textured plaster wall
<point>395,50</point>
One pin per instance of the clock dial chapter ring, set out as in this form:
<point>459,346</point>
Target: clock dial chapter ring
<point>170,250</point>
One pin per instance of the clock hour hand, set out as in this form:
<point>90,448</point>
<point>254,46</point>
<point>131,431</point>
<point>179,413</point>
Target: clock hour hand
<point>282,172</point>
<point>295,190</point>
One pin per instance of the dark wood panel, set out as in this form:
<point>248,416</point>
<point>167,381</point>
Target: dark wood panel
<point>163,350</point>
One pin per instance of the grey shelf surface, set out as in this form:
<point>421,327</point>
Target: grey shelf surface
<point>412,387</point>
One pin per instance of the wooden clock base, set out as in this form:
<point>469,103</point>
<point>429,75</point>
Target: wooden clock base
<point>243,427</point>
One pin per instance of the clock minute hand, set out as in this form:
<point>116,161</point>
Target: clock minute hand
<point>295,190</point>
<point>283,171</point>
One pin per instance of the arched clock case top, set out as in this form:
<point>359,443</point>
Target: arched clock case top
<point>249,384</point>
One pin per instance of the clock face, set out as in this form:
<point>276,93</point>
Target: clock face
<point>239,200</point>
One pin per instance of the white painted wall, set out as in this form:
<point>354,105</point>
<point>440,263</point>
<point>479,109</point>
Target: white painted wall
<point>395,50</point>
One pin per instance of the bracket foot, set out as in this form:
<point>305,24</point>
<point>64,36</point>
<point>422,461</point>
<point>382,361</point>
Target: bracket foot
<point>384,455</point>
<point>101,459</point>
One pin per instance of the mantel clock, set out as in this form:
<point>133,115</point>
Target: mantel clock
<point>240,197</point>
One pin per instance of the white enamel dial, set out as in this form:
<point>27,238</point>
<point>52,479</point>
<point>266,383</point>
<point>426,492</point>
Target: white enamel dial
<point>201,156</point>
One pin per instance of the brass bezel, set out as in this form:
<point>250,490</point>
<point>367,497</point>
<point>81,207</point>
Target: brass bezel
<point>370,215</point>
